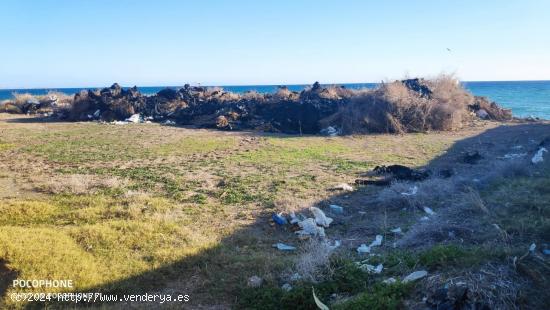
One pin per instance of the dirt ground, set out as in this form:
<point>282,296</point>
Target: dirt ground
<point>160,209</point>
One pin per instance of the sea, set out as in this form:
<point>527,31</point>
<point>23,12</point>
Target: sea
<point>525,98</point>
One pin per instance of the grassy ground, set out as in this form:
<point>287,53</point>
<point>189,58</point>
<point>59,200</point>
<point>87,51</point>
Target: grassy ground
<point>149,208</point>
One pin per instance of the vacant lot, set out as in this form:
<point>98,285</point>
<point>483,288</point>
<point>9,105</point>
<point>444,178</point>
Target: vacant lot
<point>149,208</point>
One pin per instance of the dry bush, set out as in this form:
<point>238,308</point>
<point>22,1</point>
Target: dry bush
<point>313,264</point>
<point>451,102</point>
<point>253,96</point>
<point>395,108</point>
<point>77,184</point>
<point>284,94</point>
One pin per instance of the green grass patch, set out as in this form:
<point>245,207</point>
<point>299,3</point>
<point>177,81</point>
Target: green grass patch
<point>347,280</point>
<point>521,206</point>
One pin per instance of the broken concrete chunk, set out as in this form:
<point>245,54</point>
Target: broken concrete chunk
<point>415,276</point>
<point>320,217</point>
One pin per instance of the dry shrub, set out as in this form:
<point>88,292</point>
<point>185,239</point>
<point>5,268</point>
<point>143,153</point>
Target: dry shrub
<point>313,264</point>
<point>284,94</point>
<point>396,108</point>
<point>253,96</point>
<point>77,184</point>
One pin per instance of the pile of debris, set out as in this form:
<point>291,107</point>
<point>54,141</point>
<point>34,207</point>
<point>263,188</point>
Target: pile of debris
<point>402,106</point>
<point>486,109</point>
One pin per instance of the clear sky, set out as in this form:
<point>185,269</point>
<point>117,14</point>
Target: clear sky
<point>79,43</point>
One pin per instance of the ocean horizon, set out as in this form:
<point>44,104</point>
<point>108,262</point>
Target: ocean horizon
<point>524,98</point>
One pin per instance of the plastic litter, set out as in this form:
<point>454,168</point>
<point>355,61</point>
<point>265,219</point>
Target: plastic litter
<point>363,248</point>
<point>514,155</point>
<point>537,158</point>
<point>284,247</point>
<point>319,304</point>
<point>320,217</point>
<point>286,287</point>
<point>397,230</point>
<point>372,269</point>
<point>336,209</point>
<point>343,187</point>
<point>412,191</point>
<point>389,280</point>
<point>293,218</point>
<point>255,281</point>
<point>279,219</point>
<point>377,241</point>
<point>532,247</point>
<point>415,276</point>
<point>295,277</point>
<point>97,114</point>
<point>429,210</point>
<point>169,122</point>
<point>335,245</point>
<point>546,252</point>
<point>424,218</point>
<point>309,227</point>
<point>135,118</point>
<point>329,131</point>
<point>119,123</point>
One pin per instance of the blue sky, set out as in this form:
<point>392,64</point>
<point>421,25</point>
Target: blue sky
<point>48,43</point>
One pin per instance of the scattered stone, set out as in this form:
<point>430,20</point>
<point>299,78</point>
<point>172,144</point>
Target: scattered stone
<point>415,276</point>
<point>389,280</point>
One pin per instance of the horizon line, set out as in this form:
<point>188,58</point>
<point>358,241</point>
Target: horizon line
<point>242,85</point>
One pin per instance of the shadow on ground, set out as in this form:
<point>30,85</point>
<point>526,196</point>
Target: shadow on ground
<point>199,276</point>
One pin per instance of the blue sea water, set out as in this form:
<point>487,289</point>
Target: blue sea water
<point>525,98</point>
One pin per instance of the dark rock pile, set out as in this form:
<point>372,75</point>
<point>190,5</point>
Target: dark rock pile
<point>207,108</point>
<point>411,105</point>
